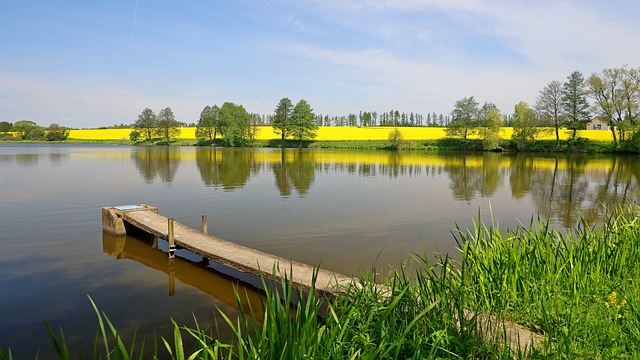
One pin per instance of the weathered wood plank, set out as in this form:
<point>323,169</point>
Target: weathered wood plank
<point>239,257</point>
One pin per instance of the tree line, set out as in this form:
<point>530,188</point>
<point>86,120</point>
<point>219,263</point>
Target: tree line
<point>29,130</point>
<point>615,101</point>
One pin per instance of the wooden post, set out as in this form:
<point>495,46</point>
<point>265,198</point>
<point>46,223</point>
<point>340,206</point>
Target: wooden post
<point>172,244</point>
<point>205,225</point>
<point>172,277</point>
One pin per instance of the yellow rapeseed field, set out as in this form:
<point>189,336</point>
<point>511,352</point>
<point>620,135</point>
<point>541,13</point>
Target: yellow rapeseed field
<point>326,133</point>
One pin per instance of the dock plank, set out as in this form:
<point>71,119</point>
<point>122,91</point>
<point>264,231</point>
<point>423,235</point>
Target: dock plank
<point>240,257</point>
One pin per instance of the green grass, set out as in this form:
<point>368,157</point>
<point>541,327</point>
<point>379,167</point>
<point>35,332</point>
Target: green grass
<point>579,290</point>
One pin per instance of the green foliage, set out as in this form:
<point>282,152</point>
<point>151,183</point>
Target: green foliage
<point>167,127</point>
<point>616,95</point>
<point>491,121</point>
<point>24,128</point>
<point>208,125</point>
<point>395,139</point>
<point>233,123</point>
<point>8,137</point>
<point>281,120</point>
<point>146,124</point>
<point>303,125</point>
<point>5,126</point>
<point>56,132</point>
<point>134,136</point>
<point>524,123</point>
<point>36,134</point>
<point>574,102</point>
<point>464,119</point>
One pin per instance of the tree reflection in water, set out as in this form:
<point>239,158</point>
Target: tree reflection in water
<point>157,161</point>
<point>561,187</point>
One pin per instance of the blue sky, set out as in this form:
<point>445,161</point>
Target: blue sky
<point>98,63</point>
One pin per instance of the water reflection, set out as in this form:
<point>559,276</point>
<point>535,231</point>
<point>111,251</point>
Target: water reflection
<point>156,161</point>
<point>562,187</point>
<point>228,168</point>
<point>297,170</point>
<point>56,159</point>
<point>140,248</point>
<point>474,175</point>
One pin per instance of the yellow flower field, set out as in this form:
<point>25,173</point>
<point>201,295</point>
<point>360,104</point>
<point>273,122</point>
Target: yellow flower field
<point>327,133</point>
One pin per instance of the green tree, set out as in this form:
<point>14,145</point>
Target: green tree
<point>167,127</point>
<point>281,120</point>
<point>490,120</point>
<point>524,123</point>
<point>24,128</point>
<point>464,119</point>
<point>5,126</point>
<point>549,106</point>
<point>617,99</point>
<point>36,134</point>
<point>208,124</point>
<point>395,138</point>
<point>302,120</point>
<point>574,102</point>
<point>253,128</point>
<point>146,124</point>
<point>56,132</point>
<point>234,121</point>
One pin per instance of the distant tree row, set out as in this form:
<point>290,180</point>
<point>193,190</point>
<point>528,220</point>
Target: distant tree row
<point>615,95</point>
<point>29,130</point>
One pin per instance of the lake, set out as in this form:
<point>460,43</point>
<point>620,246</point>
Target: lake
<point>348,211</point>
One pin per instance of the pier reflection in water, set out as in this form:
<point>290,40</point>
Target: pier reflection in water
<point>143,248</point>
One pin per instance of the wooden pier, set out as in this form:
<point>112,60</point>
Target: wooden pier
<point>118,220</point>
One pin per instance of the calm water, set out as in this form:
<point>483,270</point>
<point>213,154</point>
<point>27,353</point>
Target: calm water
<point>344,210</point>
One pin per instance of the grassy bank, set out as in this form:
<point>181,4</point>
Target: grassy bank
<point>578,290</point>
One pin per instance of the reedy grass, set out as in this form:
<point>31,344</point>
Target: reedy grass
<point>579,289</point>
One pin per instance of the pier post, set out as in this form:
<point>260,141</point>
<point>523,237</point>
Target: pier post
<point>205,223</point>
<point>172,276</point>
<point>172,243</point>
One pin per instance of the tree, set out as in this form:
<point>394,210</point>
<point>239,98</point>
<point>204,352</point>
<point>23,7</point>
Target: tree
<point>5,126</point>
<point>524,122</point>
<point>303,126</point>
<point>617,99</point>
<point>24,127</point>
<point>167,126</point>
<point>208,124</point>
<point>253,128</point>
<point>490,119</point>
<point>395,138</point>
<point>234,121</point>
<point>574,102</point>
<point>146,124</point>
<point>56,132</point>
<point>36,134</point>
<point>549,106</point>
<point>281,120</point>
<point>464,118</point>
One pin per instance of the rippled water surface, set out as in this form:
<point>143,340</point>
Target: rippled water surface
<point>345,210</point>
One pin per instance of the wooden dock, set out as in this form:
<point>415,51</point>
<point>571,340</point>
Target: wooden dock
<point>118,220</point>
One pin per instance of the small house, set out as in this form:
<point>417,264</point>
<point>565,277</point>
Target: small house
<point>598,123</point>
